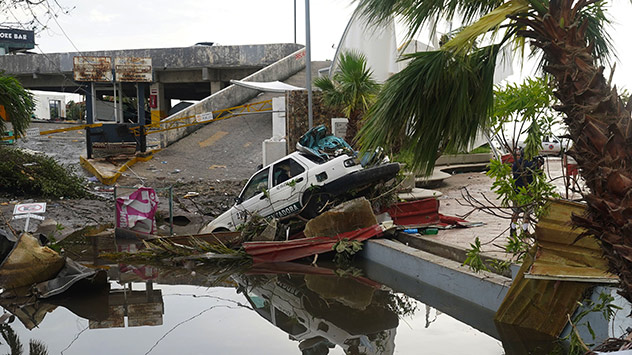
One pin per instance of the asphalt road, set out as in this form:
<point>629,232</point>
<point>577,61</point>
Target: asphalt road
<point>230,149</point>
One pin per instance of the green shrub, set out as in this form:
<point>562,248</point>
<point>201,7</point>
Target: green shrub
<point>22,173</point>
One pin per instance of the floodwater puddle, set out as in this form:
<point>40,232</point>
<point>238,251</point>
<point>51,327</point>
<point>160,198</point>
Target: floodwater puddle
<point>229,308</point>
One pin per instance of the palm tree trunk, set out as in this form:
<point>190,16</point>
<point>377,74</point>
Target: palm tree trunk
<point>600,127</point>
<point>353,125</point>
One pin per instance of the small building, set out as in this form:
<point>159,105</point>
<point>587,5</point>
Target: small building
<point>49,106</point>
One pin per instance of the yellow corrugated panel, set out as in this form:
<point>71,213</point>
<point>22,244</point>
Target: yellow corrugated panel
<point>541,305</point>
<point>546,290</point>
<point>560,255</point>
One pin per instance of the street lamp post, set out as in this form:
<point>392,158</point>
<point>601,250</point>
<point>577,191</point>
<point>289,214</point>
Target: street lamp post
<point>308,66</point>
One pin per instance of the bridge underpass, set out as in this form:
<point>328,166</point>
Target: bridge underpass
<point>229,149</point>
<point>187,73</point>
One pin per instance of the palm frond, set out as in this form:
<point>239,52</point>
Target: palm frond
<point>17,102</point>
<point>438,101</point>
<point>36,347</point>
<point>416,13</point>
<point>596,31</point>
<point>352,87</point>
<point>464,40</point>
<point>12,340</point>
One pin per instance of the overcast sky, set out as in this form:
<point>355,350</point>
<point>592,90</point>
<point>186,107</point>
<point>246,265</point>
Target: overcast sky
<point>118,24</point>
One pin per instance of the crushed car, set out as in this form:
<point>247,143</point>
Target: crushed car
<point>323,168</point>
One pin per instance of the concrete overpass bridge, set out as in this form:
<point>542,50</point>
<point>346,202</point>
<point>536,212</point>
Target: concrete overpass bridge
<point>187,73</point>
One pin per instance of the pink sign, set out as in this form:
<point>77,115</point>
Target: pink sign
<point>137,210</point>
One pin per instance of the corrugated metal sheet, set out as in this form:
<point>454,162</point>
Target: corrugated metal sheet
<point>541,305</point>
<point>546,290</point>
<point>560,256</point>
<point>278,251</point>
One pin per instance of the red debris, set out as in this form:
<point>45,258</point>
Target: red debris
<point>275,251</point>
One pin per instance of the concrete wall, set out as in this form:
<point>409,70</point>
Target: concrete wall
<point>484,289</point>
<point>234,95</point>
<point>464,159</point>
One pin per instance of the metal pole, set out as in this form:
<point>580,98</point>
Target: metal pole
<point>171,210</point>
<point>89,117</point>
<point>295,21</point>
<point>115,103</point>
<point>308,66</point>
<point>26,225</point>
<point>115,214</point>
<point>140,98</point>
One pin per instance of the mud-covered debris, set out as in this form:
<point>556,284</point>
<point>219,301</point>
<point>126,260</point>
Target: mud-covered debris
<point>346,217</point>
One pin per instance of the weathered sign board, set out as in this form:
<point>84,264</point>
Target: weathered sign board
<point>92,69</point>
<point>24,208</point>
<point>27,211</point>
<point>17,39</point>
<point>133,69</point>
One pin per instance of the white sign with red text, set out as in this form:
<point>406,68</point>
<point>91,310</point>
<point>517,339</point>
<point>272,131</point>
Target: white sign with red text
<point>37,207</point>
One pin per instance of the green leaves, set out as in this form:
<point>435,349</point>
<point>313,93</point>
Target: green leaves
<point>463,42</point>
<point>526,104</point>
<point>352,87</point>
<point>345,249</point>
<point>473,259</point>
<point>523,100</point>
<point>416,13</point>
<point>437,102</point>
<point>37,174</point>
<point>17,102</point>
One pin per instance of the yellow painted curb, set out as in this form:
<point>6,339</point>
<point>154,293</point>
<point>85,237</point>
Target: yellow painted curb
<point>107,172</point>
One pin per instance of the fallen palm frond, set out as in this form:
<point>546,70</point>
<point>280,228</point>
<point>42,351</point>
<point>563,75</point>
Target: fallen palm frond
<point>164,250</point>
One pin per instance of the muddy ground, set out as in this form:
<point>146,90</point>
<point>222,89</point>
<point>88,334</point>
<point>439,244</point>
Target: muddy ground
<point>214,194</point>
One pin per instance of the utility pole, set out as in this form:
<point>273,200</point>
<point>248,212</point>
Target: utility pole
<point>308,66</point>
<point>294,21</point>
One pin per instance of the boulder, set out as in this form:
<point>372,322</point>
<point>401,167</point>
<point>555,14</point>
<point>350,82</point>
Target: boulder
<point>346,217</point>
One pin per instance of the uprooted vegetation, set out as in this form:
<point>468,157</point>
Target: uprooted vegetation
<point>23,173</point>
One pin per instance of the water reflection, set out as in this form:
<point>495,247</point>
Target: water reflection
<point>232,308</point>
<point>320,310</point>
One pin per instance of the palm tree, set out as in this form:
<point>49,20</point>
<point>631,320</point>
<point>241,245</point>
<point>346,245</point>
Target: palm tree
<point>351,89</point>
<point>18,104</point>
<point>443,97</point>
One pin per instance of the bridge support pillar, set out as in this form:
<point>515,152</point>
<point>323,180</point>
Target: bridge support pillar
<point>215,86</point>
<point>158,102</point>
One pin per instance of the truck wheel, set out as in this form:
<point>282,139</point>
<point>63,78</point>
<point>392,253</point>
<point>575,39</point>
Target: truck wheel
<point>220,229</point>
<point>314,202</point>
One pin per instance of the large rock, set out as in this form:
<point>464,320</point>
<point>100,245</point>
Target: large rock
<point>348,216</point>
